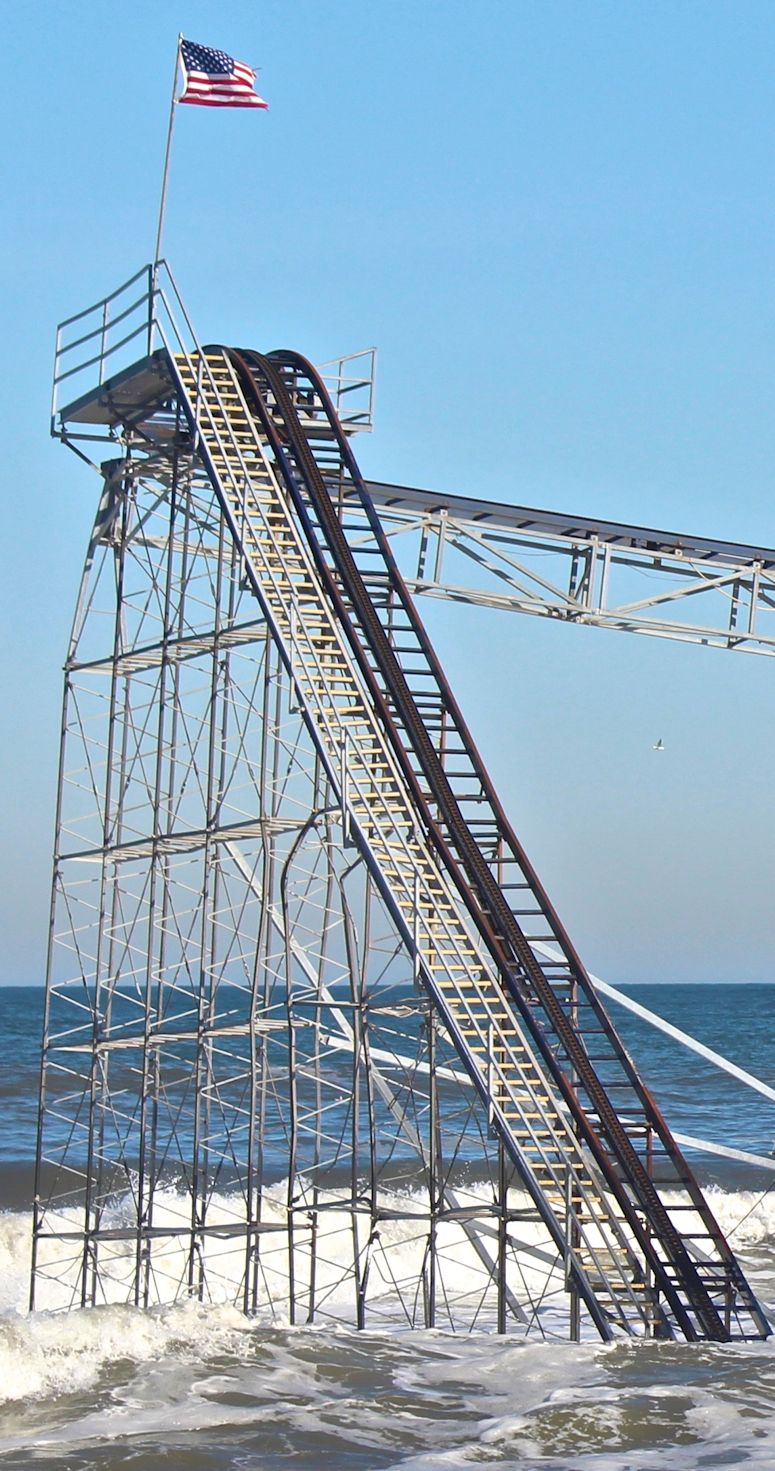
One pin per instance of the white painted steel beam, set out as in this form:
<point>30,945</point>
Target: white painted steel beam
<point>581,570</point>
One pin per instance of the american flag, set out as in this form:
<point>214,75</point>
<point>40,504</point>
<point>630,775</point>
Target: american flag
<point>214,79</point>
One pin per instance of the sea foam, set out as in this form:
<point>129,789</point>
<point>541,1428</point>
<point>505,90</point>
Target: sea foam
<point>50,1352</point>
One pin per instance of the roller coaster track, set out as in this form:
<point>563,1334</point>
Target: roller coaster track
<point>585,1136</point>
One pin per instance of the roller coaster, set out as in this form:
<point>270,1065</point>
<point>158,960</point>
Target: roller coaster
<point>316,1040</point>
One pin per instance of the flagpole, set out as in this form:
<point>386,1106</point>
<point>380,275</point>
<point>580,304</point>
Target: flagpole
<point>163,201</point>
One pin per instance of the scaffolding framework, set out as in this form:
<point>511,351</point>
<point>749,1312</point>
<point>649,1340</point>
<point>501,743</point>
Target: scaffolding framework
<point>247,1096</point>
<point>306,1048</point>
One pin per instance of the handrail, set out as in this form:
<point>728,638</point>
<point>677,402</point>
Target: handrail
<point>340,383</point>
<point>160,306</point>
<point>99,330</point>
<point>76,317</point>
<point>99,357</point>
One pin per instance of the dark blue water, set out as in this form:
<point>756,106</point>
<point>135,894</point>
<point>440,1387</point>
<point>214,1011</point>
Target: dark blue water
<point>21,1021</point>
<point>698,1099</point>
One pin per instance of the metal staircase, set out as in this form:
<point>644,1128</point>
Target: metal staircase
<point>587,1140</point>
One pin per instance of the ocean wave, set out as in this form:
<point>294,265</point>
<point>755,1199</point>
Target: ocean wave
<point>422,1400</point>
<point>49,1352</point>
<point>747,1217</point>
<point>44,1354</point>
<point>394,1252</point>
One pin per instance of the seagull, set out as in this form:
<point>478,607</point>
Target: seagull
<point>659,745</point>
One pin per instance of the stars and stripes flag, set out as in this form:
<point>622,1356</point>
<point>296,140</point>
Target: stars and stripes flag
<point>213,79</point>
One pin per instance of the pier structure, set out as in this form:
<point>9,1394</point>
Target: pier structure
<point>316,1040</point>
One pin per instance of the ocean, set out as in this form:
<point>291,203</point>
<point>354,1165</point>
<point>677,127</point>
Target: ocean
<point>203,1388</point>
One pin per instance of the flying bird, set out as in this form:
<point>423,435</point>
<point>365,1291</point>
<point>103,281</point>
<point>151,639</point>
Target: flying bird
<point>660,745</point>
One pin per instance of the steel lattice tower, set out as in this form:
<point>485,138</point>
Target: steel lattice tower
<point>305,1049</point>
<point>242,1082</point>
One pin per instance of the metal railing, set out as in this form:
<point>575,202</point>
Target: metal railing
<point>350,381</point>
<point>95,345</point>
<point>101,331</point>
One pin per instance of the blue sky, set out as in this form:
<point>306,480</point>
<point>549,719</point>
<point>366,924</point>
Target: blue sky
<point>555,220</point>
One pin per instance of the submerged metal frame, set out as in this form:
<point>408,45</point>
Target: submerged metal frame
<point>227,987</point>
<point>223,972</point>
